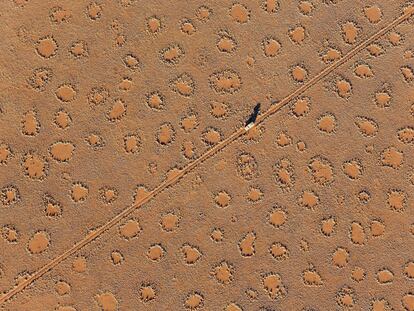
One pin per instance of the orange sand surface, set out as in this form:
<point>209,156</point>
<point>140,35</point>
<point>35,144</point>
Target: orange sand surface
<point>129,180</point>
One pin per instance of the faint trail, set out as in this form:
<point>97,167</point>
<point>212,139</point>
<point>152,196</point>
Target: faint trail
<point>170,181</point>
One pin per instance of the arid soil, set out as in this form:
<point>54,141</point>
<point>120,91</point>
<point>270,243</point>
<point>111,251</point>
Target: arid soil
<point>128,180</point>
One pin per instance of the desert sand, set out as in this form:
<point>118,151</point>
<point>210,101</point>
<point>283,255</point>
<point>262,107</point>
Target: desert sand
<point>129,180</point>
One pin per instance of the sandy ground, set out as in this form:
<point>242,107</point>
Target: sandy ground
<point>128,180</point>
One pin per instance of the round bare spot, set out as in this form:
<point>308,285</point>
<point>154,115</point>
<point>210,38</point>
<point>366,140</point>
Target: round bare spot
<point>350,32</point>
<point>353,169</point>
<point>373,14</point>
<point>358,274</point>
<point>154,24</point>
<point>194,301</point>
<point>95,141</point>
<point>204,13</point>
<point>187,26</point>
<point>217,235</point>
<point>46,47</point>
<point>396,200</point>
<point>367,127</point>
<point>172,54</point>
<point>52,207</point>
<point>211,136</point>
<point>225,82</point>
<point>247,166</point>
<point>62,119</point>
<point>408,73</point>
<point>363,71</point>
<point>79,49</point>
<point>277,217</point>
<point>346,297</point>
<point>273,285</point>
<point>131,61</point>
<point>117,258</point>
<point>375,49</point>
<point>165,134</point>
<point>183,84</point>
<point>327,123</point>
<point>343,88</point>
<point>392,157</point>
<point>108,195</point>
<point>107,301</point>
<point>62,288</point>
<point>62,151</point>
<point>35,166</point>
<point>222,199</point>
<point>331,55</point>
<point>321,170</point>
<point>59,15</point>
<point>226,43</point>
<point>301,107</point>
<point>39,78</point>
<point>10,234</point>
<point>147,292</point>
<point>328,226</point>
<point>156,100</point>
<point>219,109</point>
<point>305,7</point>
<point>94,11</point>
<point>406,135</point>
<point>79,264</point>
<point>385,276</point>
<point>271,47</point>
<point>394,38</point>
<point>98,96</point>
<point>408,301</point>
<point>357,233</point>
<point>30,123</point>
<point>409,270</point>
<point>309,199</point>
<point>189,123</point>
<point>191,254</point>
<point>301,146</point>
<point>284,174</point>
<point>9,195</point>
<point>283,139</point>
<point>270,6</point>
<point>117,111</point>
<point>299,74</point>
<point>169,222</point>
<point>38,243</point>
<point>140,193</point>
<point>130,229</point>
<point>377,228</point>
<point>240,13</point>
<point>223,272</point>
<point>247,245</point>
<point>340,257</point>
<point>66,93</point>
<point>156,252</point>
<point>311,277</point>
<point>297,34</point>
<point>79,192</point>
<point>126,84</point>
<point>279,251</point>
<point>254,195</point>
<point>132,143</point>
